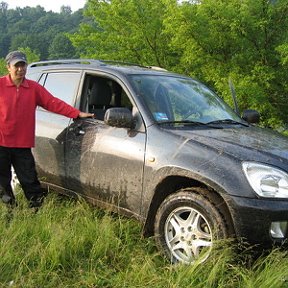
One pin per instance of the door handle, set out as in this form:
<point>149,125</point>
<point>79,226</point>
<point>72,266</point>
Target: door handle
<point>78,130</point>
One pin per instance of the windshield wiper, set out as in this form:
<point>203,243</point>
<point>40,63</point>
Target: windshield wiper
<point>228,121</point>
<point>189,122</point>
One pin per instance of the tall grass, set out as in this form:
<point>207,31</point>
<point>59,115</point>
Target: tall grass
<point>67,243</point>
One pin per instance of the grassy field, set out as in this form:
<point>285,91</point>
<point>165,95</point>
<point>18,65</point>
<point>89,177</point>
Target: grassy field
<point>70,244</point>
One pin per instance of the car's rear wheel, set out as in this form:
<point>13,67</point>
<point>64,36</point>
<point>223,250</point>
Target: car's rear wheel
<point>187,224</point>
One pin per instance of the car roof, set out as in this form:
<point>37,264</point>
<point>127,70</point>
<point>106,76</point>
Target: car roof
<point>92,64</point>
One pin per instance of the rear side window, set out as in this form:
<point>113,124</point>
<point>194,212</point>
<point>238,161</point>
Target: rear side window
<point>62,85</point>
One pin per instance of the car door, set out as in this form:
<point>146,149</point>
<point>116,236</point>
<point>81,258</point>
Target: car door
<point>49,148</point>
<point>105,163</point>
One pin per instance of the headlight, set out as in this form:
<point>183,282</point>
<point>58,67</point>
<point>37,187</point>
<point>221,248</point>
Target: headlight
<point>266,181</point>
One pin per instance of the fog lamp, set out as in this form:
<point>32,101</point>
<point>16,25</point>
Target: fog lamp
<point>278,230</point>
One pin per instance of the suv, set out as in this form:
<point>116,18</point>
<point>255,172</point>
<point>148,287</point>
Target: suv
<point>165,149</point>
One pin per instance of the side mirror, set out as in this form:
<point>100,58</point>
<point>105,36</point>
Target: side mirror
<point>251,116</point>
<point>119,117</point>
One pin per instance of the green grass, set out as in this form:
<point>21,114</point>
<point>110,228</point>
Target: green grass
<point>71,244</point>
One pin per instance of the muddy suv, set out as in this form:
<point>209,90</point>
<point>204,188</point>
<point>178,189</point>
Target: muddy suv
<point>165,149</point>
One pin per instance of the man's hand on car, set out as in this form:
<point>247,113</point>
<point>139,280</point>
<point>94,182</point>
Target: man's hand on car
<point>86,115</point>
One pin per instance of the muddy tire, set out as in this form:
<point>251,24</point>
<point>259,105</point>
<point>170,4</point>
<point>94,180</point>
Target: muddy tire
<point>186,225</point>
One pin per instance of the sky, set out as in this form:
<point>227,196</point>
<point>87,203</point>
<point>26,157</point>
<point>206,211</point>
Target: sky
<point>48,5</point>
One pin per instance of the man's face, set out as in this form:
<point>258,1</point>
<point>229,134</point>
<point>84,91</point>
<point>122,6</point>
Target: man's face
<point>17,71</point>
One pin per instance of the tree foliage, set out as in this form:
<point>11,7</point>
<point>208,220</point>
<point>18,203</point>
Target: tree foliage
<point>37,29</point>
<point>125,30</point>
<point>237,39</point>
<point>214,40</point>
<point>61,47</point>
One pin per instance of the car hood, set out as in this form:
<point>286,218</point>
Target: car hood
<point>245,143</point>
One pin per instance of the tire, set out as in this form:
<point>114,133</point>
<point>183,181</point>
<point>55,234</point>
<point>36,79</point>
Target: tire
<point>186,225</point>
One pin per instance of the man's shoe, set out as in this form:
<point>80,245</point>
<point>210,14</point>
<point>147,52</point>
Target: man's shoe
<point>36,203</point>
<point>9,201</point>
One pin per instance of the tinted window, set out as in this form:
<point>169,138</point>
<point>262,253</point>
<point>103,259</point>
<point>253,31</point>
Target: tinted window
<point>63,85</point>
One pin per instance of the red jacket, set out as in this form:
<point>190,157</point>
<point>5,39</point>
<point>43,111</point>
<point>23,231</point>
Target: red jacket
<point>17,111</point>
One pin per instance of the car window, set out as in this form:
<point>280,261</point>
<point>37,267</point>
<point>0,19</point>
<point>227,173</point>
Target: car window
<point>62,85</point>
<point>100,94</point>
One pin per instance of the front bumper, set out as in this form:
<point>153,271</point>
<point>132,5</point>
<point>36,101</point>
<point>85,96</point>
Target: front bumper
<point>255,219</point>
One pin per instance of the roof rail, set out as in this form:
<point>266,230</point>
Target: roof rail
<point>82,61</point>
<point>117,62</point>
<point>91,61</point>
<point>66,61</point>
<point>156,68</point>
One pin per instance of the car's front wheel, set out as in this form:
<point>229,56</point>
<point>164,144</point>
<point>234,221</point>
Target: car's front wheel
<point>186,225</point>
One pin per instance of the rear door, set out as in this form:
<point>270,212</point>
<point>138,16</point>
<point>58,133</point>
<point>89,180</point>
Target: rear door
<point>50,128</point>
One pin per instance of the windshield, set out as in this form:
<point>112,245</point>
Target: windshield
<point>176,99</point>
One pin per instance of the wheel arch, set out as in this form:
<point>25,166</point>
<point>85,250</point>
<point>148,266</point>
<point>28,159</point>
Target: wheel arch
<point>172,184</point>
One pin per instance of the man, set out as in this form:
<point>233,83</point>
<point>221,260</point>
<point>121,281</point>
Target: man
<point>19,98</point>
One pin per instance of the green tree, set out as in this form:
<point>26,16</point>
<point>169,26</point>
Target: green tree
<point>128,30</point>
<point>3,69</point>
<point>4,38</point>
<point>34,27</point>
<point>65,10</point>
<point>31,55</point>
<point>283,50</point>
<point>61,48</point>
<point>221,39</point>
<point>31,41</point>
